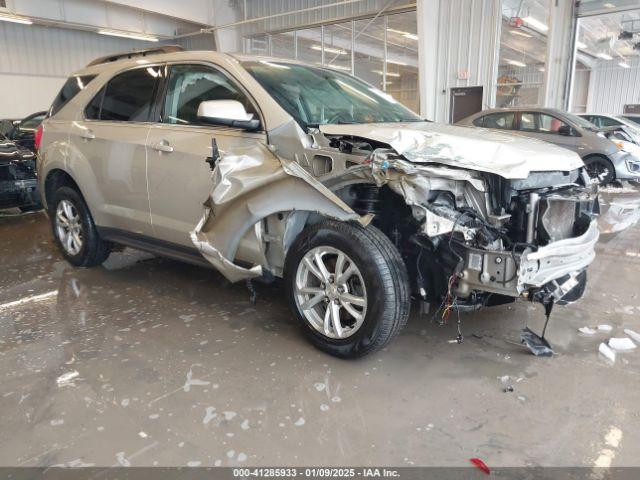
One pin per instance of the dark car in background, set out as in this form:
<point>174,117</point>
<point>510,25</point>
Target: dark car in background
<point>18,179</point>
<point>24,131</point>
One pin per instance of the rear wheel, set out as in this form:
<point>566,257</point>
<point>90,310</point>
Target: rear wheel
<point>74,230</point>
<point>348,287</point>
<point>600,169</point>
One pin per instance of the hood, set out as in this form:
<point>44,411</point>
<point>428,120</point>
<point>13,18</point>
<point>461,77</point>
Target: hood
<point>509,156</point>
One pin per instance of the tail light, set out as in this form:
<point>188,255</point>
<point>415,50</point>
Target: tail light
<point>37,141</point>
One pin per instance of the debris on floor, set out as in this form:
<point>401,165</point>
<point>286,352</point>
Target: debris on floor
<point>632,334</point>
<point>535,343</point>
<point>587,330</point>
<point>506,383</point>
<point>67,378</point>
<point>605,328</point>
<point>621,344</point>
<point>607,352</point>
<point>481,465</point>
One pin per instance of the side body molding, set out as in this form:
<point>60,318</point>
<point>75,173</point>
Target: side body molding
<point>249,185</point>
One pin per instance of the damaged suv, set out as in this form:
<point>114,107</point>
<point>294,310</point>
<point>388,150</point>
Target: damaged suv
<point>272,168</point>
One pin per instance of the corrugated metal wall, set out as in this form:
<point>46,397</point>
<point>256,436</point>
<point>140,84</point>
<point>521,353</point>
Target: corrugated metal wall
<point>468,39</point>
<point>610,88</point>
<point>54,52</point>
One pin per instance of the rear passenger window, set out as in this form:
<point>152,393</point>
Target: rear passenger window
<point>70,89</point>
<point>501,121</point>
<point>127,97</point>
<point>478,122</point>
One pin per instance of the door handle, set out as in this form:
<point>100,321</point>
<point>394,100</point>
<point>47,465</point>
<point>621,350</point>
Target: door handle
<point>88,134</point>
<point>162,146</point>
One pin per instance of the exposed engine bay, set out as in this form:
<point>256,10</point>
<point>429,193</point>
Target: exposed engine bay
<point>472,235</point>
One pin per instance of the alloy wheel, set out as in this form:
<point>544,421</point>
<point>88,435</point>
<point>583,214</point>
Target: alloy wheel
<point>69,227</point>
<point>330,292</point>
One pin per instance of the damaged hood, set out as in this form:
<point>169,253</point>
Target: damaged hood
<point>504,154</point>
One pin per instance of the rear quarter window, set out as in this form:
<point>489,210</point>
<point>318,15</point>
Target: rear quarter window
<point>70,89</point>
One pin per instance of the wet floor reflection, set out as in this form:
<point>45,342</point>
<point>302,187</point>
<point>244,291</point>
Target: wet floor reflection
<point>146,361</point>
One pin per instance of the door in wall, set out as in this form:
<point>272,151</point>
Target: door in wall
<point>465,101</point>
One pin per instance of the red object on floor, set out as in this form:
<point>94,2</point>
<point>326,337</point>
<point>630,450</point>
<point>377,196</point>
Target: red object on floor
<point>481,465</point>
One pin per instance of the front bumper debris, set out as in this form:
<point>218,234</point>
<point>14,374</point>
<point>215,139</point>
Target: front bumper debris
<point>504,273</point>
<point>558,259</point>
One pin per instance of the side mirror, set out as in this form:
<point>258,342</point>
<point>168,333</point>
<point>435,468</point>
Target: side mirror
<point>565,130</point>
<point>230,113</point>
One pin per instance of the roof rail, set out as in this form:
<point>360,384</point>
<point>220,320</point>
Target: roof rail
<point>136,53</point>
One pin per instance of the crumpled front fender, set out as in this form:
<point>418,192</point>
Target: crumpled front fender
<point>248,186</point>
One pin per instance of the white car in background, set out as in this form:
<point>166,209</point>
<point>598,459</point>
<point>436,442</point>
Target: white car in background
<point>603,120</point>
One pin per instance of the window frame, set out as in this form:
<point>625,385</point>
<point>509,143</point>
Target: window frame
<point>162,95</point>
<point>103,88</point>
<point>539,122</point>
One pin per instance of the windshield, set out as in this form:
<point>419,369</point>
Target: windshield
<point>633,119</point>
<point>317,96</point>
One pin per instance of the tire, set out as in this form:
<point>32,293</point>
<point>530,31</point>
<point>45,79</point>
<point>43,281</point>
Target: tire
<point>378,288</point>
<point>600,169</point>
<point>86,248</point>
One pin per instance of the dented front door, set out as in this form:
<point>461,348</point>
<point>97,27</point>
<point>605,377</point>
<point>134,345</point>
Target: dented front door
<point>179,176</point>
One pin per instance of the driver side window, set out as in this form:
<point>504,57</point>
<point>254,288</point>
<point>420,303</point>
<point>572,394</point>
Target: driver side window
<point>189,85</point>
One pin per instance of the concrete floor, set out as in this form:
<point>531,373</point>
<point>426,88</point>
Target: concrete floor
<point>146,361</point>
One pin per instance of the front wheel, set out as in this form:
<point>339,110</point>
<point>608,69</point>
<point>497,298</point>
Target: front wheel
<point>600,169</point>
<point>348,287</point>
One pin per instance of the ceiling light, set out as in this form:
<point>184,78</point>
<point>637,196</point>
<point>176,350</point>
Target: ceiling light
<point>520,34</point>
<point>337,51</point>
<point>609,5</point>
<point>580,44</point>
<point>8,17</point>
<point>604,56</point>
<point>410,35</point>
<point>396,62</point>
<point>535,23</point>
<point>515,63</point>
<point>389,74</point>
<point>132,36</point>
<point>542,69</point>
<point>624,64</point>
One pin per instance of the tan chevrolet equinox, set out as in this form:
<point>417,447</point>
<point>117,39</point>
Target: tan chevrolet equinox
<point>266,168</point>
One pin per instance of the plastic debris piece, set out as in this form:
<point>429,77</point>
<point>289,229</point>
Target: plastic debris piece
<point>621,344</point>
<point>607,352</point>
<point>632,334</point>
<point>481,465</point>
<point>605,328</point>
<point>536,344</point>
<point>587,330</point>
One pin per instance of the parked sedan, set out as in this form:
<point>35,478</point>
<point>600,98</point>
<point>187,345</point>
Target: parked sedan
<point>18,181</point>
<point>23,131</point>
<point>605,160</point>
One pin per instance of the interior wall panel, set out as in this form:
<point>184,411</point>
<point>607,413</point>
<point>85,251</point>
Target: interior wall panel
<point>35,60</point>
<point>612,87</point>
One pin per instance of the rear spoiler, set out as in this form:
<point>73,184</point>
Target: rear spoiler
<point>136,53</point>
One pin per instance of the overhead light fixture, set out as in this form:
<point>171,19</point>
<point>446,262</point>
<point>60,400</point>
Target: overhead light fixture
<point>396,62</point>
<point>337,51</point>
<point>604,56</point>
<point>515,63</point>
<point>409,35</point>
<point>580,44</point>
<point>535,23</point>
<point>8,17</point>
<point>624,64</point>
<point>609,5</point>
<point>542,69</point>
<point>131,35</point>
<point>389,74</point>
<point>520,34</point>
